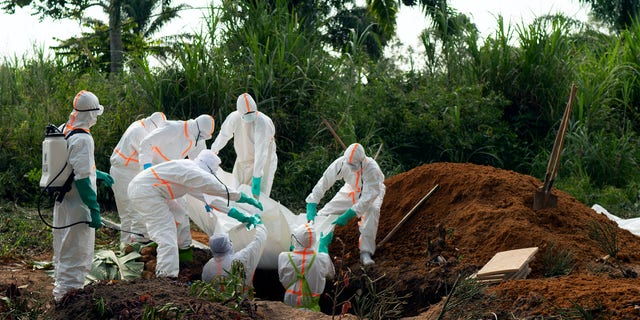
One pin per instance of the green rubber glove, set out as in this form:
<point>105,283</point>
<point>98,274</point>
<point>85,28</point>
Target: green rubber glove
<point>255,186</point>
<point>345,217</point>
<point>312,211</point>
<point>244,198</point>
<point>106,178</point>
<point>238,215</point>
<point>90,198</point>
<point>254,221</point>
<point>323,245</point>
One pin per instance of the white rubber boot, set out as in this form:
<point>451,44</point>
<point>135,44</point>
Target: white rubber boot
<point>365,258</point>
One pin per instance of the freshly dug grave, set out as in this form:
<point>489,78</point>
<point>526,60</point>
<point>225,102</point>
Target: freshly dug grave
<point>476,212</point>
<point>479,211</point>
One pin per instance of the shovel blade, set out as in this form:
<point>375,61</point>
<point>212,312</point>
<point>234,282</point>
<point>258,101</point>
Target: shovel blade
<point>543,200</point>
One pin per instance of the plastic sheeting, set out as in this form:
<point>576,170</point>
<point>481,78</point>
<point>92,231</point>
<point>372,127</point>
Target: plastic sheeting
<point>278,220</point>
<point>632,225</point>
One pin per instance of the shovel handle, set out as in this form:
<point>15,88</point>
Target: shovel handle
<point>395,229</point>
<point>554,159</point>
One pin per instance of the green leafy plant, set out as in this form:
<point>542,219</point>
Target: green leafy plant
<point>167,311</point>
<point>231,290</point>
<point>101,308</point>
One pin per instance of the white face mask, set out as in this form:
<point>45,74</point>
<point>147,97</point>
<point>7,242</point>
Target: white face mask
<point>249,116</point>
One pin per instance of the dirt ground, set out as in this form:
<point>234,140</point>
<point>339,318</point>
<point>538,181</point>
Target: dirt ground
<point>476,212</point>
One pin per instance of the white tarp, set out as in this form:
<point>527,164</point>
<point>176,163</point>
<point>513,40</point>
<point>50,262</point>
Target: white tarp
<point>278,220</point>
<point>632,225</point>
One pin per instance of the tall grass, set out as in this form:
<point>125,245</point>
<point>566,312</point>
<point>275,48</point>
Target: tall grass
<point>497,102</point>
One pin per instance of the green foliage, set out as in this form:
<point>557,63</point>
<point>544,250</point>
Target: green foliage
<point>557,260</point>
<point>22,233</point>
<point>164,312</point>
<point>100,308</point>
<point>606,235</point>
<point>497,102</point>
<point>377,300</point>
<point>231,290</point>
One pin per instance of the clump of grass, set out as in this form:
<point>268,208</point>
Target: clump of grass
<point>377,300</point>
<point>606,235</point>
<point>22,233</point>
<point>464,291</point>
<point>557,261</point>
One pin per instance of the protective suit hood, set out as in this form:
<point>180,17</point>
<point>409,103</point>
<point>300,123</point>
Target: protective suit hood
<point>208,161</point>
<point>155,120</point>
<point>247,107</point>
<point>220,245</point>
<point>303,237</point>
<point>202,127</point>
<point>354,155</point>
<point>86,109</point>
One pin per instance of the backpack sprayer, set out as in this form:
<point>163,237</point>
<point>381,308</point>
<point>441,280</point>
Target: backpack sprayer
<point>57,174</point>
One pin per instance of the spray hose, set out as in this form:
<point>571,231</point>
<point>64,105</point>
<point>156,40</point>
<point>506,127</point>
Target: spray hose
<point>75,223</point>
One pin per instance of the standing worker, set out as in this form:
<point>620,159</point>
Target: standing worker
<point>154,191</point>
<point>73,246</point>
<point>223,255</point>
<point>253,136</point>
<point>303,272</point>
<point>125,165</point>
<point>361,196</point>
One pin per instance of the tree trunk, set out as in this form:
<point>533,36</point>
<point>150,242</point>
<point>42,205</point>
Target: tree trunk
<point>115,35</point>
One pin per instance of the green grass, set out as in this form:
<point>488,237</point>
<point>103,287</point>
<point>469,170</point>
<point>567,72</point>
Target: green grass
<point>23,236</point>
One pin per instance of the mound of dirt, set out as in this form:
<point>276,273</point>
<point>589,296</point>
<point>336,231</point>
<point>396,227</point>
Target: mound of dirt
<point>479,211</point>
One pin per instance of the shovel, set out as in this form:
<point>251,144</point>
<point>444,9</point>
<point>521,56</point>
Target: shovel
<point>543,197</point>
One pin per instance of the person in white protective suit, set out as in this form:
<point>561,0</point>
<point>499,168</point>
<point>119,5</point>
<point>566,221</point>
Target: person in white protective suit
<point>224,255</point>
<point>253,136</point>
<point>154,191</point>
<point>125,165</point>
<point>361,196</point>
<point>303,271</point>
<point>73,246</point>
<point>177,139</point>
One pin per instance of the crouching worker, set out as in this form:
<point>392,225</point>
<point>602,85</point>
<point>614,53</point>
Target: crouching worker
<point>303,271</point>
<point>224,256</point>
<point>154,192</point>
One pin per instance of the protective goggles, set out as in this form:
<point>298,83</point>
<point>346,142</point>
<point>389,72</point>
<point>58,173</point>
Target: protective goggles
<point>99,109</point>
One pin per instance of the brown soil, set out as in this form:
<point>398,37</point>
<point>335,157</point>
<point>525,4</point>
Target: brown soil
<point>476,212</point>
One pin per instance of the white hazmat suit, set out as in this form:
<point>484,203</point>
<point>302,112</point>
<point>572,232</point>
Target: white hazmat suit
<point>303,271</point>
<point>125,165</point>
<point>253,136</point>
<point>153,192</point>
<point>362,194</point>
<point>224,255</point>
<point>73,246</point>
<point>176,139</point>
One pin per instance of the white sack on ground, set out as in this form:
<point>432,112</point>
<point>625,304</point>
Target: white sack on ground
<point>632,225</point>
<point>278,220</point>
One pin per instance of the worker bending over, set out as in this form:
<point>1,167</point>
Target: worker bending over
<point>361,196</point>
<point>154,192</point>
